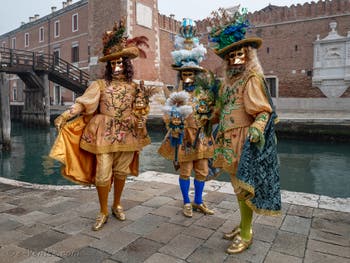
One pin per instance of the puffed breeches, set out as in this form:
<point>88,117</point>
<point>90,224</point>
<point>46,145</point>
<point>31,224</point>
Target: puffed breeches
<point>116,164</point>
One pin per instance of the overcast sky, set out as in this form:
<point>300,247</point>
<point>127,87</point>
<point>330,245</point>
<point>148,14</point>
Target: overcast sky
<point>13,12</point>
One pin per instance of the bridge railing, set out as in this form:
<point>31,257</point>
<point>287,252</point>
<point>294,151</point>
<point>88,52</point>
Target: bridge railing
<point>39,61</point>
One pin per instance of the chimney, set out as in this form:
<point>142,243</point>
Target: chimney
<point>69,2</point>
<point>36,16</point>
<point>31,19</point>
<point>64,4</point>
<point>53,9</point>
<point>172,16</point>
<point>23,23</point>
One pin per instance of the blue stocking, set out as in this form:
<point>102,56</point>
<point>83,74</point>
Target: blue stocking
<point>185,187</point>
<point>198,191</point>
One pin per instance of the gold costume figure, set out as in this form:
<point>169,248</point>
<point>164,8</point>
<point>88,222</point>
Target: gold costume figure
<point>111,129</point>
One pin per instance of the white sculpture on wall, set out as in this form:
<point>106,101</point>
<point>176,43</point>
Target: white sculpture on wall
<point>332,63</point>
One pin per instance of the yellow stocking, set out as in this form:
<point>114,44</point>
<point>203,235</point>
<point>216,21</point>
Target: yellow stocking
<point>103,198</point>
<point>246,220</point>
<point>118,190</point>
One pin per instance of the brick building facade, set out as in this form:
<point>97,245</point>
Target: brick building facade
<point>286,55</point>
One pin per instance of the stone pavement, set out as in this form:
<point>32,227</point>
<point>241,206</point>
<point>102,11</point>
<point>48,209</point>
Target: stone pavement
<point>53,224</point>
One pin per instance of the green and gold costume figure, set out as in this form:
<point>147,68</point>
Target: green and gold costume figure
<point>246,141</point>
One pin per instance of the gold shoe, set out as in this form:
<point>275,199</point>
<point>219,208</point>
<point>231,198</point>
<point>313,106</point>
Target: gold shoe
<point>101,219</point>
<point>233,233</point>
<point>238,245</point>
<point>187,210</point>
<point>202,208</point>
<point>118,212</point>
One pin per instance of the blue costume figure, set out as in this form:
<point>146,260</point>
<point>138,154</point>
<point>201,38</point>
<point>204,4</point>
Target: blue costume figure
<point>187,143</point>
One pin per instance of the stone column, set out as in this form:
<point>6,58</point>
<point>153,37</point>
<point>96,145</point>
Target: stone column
<point>5,130</point>
<point>46,99</point>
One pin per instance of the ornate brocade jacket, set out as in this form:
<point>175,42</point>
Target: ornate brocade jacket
<point>114,126</point>
<point>244,104</point>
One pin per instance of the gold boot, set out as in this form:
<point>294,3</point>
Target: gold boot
<point>101,219</point>
<point>118,212</point>
<point>233,233</point>
<point>203,209</point>
<point>238,245</point>
<point>187,210</point>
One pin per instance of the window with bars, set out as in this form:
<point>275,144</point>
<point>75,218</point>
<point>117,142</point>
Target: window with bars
<point>26,39</point>
<point>75,54</point>
<point>41,34</point>
<point>57,28</point>
<point>75,23</point>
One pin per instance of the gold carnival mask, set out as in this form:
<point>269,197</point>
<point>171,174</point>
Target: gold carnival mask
<point>117,66</point>
<point>237,57</point>
<point>187,76</point>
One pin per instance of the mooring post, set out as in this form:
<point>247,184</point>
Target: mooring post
<point>46,99</point>
<point>5,113</point>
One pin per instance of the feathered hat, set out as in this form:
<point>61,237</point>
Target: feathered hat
<point>116,44</point>
<point>227,30</point>
<point>188,52</point>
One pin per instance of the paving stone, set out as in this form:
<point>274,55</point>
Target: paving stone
<point>198,231</point>
<point>13,254</point>
<point>275,257</point>
<point>256,252</point>
<point>180,219</point>
<point>61,207</point>
<point>330,249</point>
<point>168,211</point>
<point>161,258</point>
<point>59,219</point>
<point>210,221</point>
<point>41,257</point>
<point>86,254</point>
<point>338,228</point>
<point>70,245</point>
<point>138,196</point>
<point>12,237</point>
<point>222,213</point>
<point>181,246</point>
<point>214,197</point>
<point>216,241</point>
<point>41,241</point>
<point>264,233</point>
<point>33,229</point>
<point>145,225</point>
<point>114,241</point>
<point>321,257</point>
<point>229,205</point>
<point>137,251</point>
<point>206,255</point>
<point>57,200</point>
<point>138,212</point>
<point>7,224</point>
<point>290,243</point>
<point>4,207</point>
<point>275,221</point>
<point>165,232</point>
<point>75,226</point>
<point>302,211</point>
<point>335,216</point>
<point>157,201</point>
<point>327,237</point>
<point>33,217</point>
<point>296,224</point>
<point>174,193</point>
<point>18,211</point>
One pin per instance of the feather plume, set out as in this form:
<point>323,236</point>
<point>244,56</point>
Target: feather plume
<point>139,42</point>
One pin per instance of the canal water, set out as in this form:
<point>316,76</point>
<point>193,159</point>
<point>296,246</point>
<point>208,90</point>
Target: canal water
<point>306,166</point>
